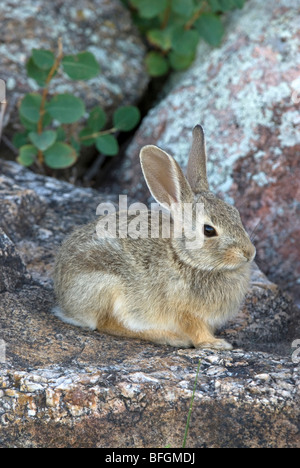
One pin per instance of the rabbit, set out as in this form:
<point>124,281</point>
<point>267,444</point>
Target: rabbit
<point>156,289</point>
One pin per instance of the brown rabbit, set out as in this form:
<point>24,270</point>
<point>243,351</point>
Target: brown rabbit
<point>157,289</point>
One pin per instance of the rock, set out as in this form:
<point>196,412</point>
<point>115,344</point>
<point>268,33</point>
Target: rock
<point>109,402</point>
<point>12,269</point>
<point>264,317</point>
<point>112,405</point>
<point>38,237</point>
<point>103,27</point>
<point>245,96</point>
<point>20,209</point>
<point>62,386</point>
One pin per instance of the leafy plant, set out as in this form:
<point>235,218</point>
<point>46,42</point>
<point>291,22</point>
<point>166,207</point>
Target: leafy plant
<point>191,405</point>
<point>173,29</point>
<point>48,138</point>
<point>190,408</point>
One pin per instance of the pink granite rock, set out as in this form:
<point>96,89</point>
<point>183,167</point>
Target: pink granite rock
<point>65,386</point>
<point>103,27</point>
<point>246,96</point>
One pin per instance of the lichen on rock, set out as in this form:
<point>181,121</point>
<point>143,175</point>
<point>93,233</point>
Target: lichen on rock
<point>243,94</point>
<point>64,386</point>
<point>102,27</point>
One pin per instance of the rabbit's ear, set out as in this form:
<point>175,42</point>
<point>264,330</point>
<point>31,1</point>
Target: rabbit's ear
<point>164,177</point>
<point>196,168</point>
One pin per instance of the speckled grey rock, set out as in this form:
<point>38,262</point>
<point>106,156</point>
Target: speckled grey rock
<point>62,386</point>
<point>20,209</point>
<point>12,269</point>
<point>103,27</point>
<point>246,95</point>
<point>54,208</point>
<point>141,399</point>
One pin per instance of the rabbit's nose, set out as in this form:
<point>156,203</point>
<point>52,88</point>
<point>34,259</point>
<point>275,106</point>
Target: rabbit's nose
<point>250,252</point>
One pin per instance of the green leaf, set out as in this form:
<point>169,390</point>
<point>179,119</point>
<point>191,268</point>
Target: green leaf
<point>150,8</point>
<point>239,3</point>
<point>181,62</point>
<point>107,144</point>
<point>27,124</point>
<point>27,155</point>
<point>39,75</point>
<point>210,28</point>
<point>20,139</point>
<point>126,118</point>
<point>34,126</point>
<point>82,66</point>
<point>185,42</point>
<point>160,38</point>
<point>85,138</point>
<point>30,107</point>
<point>183,7</point>
<point>66,108</point>
<point>75,144</point>
<point>225,5</point>
<point>60,134</point>
<point>60,156</point>
<point>215,5</point>
<point>145,24</point>
<point>43,140</point>
<point>47,119</point>
<point>43,59</point>
<point>97,119</point>
<point>156,64</point>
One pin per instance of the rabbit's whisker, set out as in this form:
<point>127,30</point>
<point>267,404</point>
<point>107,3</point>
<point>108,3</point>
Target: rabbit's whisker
<point>253,232</point>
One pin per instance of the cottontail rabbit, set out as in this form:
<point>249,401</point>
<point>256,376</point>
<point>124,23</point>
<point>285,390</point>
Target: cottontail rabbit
<point>157,289</point>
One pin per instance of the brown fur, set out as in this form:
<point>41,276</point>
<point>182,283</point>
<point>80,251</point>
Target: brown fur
<point>156,289</point>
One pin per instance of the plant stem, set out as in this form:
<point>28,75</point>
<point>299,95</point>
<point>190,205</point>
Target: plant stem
<point>166,16</point>
<point>195,16</point>
<point>49,78</point>
<point>191,406</point>
<point>45,93</point>
<point>95,135</point>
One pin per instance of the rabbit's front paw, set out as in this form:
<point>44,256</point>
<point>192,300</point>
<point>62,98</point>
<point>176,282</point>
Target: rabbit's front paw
<point>216,344</point>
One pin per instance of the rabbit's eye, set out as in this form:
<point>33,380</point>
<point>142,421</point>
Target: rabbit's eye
<point>209,231</point>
